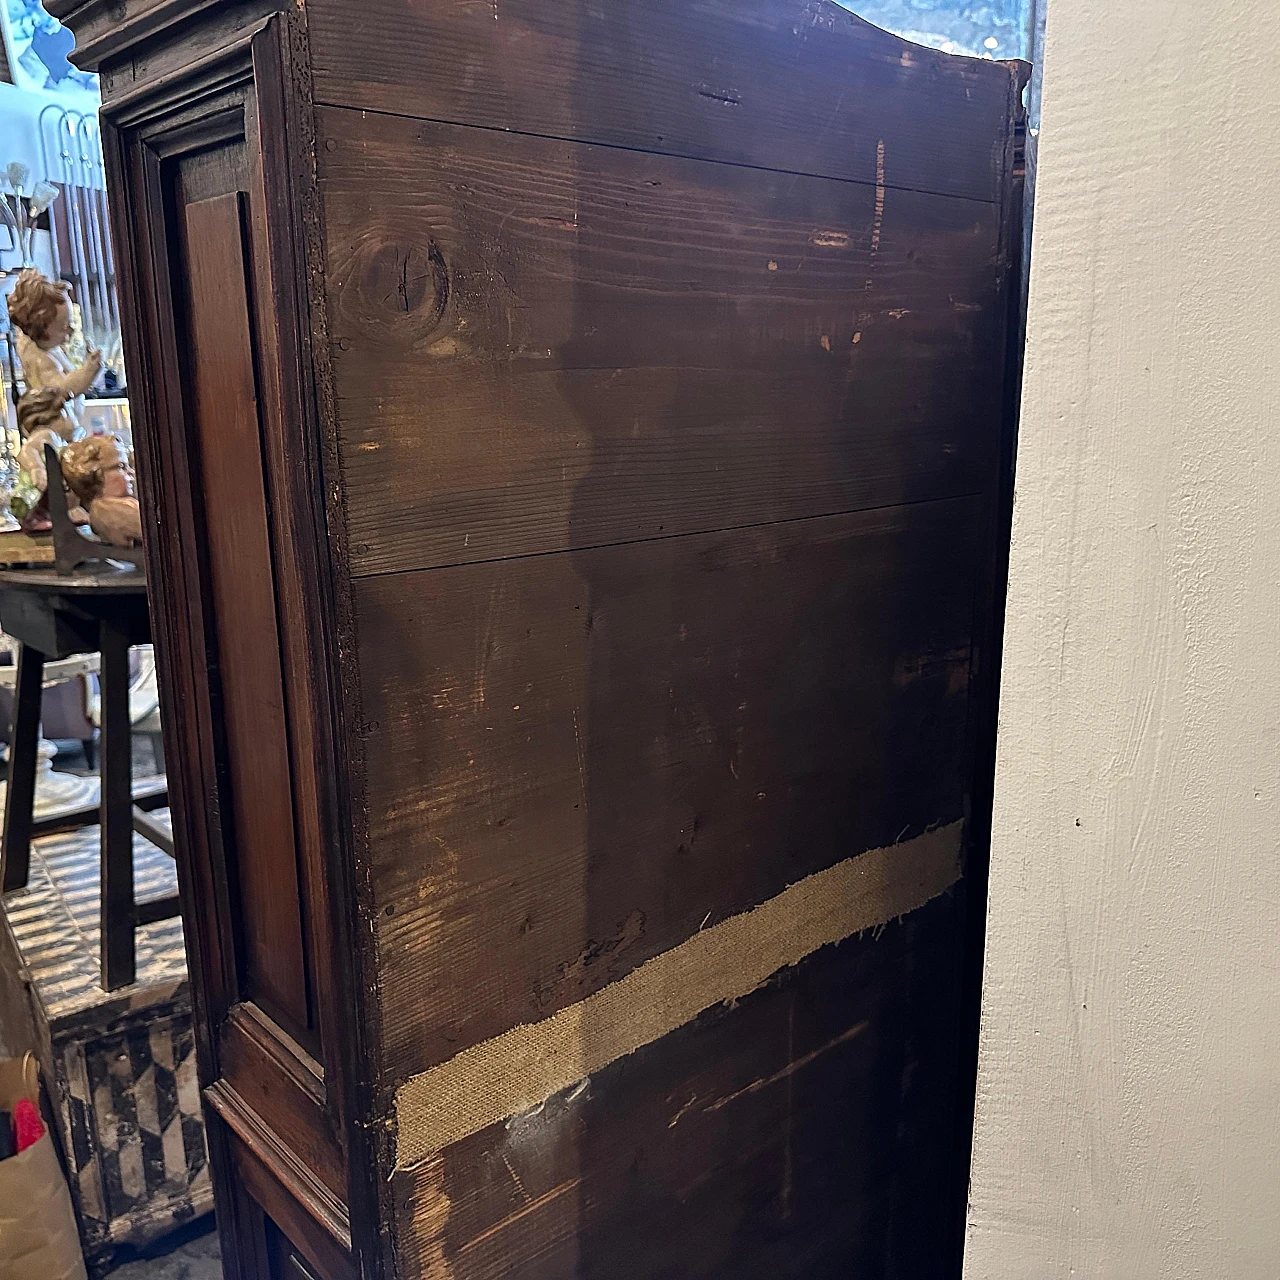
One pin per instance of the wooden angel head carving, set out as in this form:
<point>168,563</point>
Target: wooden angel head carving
<point>97,472</point>
<point>96,467</point>
<point>41,308</point>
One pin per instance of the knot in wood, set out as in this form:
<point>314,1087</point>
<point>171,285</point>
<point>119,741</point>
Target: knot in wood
<point>394,289</point>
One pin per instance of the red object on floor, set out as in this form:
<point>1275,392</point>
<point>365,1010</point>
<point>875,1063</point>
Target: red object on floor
<point>28,1128</point>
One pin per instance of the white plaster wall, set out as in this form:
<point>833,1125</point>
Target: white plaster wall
<point>1128,1120</point>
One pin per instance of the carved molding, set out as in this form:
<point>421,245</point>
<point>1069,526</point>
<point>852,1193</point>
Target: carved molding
<point>281,1161</point>
<point>107,29</point>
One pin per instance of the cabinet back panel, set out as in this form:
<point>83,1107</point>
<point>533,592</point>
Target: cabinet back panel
<point>542,345</point>
<point>576,761</point>
<point>801,86</point>
<point>668,350</point>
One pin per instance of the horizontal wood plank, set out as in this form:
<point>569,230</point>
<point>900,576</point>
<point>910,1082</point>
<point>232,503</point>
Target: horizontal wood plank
<point>794,85</point>
<point>793,1135</point>
<point>576,761</point>
<point>541,346</point>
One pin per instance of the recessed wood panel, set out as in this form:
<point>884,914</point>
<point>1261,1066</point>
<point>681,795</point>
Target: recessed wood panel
<point>575,761</point>
<point>224,404</point>
<point>795,1136</point>
<point>539,345</point>
<point>795,85</point>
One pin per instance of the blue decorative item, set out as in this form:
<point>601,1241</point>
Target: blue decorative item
<point>37,46</point>
<point>52,47</point>
<point>978,28</point>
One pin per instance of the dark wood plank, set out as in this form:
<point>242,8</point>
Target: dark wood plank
<point>287,1262</point>
<point>308,548</point>
<point>225,412</point>
<point>541,345</point>
<point>168,907</point>
<point>117,909</point>
<point>795,85</point>
<point>175,142</point>
<point>20,792</point>
<point>150,829</point>
<point>575,761</point>
<point>795,1135</point>
<point>223,143</point>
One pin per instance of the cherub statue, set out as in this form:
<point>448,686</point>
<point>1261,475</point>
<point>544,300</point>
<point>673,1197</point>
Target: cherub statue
<point>98,473</point>
<point>41,312</point>
<point>43,420</point>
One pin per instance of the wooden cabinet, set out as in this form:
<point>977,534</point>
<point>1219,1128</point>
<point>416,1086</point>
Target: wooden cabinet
<point>574,440</point>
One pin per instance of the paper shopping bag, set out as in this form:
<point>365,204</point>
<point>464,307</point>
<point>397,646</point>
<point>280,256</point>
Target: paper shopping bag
<point>38,1236</point>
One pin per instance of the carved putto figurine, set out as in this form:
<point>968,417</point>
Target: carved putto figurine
<point>41,312</point>
<point>98,473</point>
<point>43,420</point>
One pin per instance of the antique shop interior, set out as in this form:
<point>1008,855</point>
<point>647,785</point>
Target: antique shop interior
<point>537,742</point>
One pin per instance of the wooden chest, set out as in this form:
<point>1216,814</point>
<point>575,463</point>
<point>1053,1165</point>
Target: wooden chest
<point>575,444</point>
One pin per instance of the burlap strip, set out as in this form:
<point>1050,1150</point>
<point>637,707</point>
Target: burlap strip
<point>525,1066</point>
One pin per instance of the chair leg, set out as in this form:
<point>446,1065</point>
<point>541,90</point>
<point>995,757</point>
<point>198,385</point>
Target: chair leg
<point>15,843</point>
<point>90,753</point>
<point>118,912</point>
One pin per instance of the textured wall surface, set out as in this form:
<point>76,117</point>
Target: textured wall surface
<point>1129,1099</point>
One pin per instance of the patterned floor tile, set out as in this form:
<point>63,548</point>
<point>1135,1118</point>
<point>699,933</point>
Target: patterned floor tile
<point>124,1061</point>
<point>55,923</point>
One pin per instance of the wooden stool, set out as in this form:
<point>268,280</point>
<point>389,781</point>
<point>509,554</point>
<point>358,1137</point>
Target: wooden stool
<point>56,616</point>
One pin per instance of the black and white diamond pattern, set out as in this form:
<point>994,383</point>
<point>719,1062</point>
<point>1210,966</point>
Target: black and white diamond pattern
<point>124,1064</point>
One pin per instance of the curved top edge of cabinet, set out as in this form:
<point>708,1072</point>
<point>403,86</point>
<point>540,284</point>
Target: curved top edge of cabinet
<point>105,27</point>
<point>702,80</point>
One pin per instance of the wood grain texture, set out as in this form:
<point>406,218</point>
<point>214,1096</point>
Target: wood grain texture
<point>261,1189</point>
<point>277,1082</point>
<point>794,85</point>
<point>225,413</point>
<point>721,963</point>
<point>576,761</point>
<point>664,590</point>
<point>112,32</point>
<point>540,345</point>
<point>794,1135</point>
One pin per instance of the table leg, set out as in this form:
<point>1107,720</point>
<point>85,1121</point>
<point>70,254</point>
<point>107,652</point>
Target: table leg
<point>15,844</point>
<point>118,957</point>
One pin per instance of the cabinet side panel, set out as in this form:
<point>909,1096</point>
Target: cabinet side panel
<point>227,429</point>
